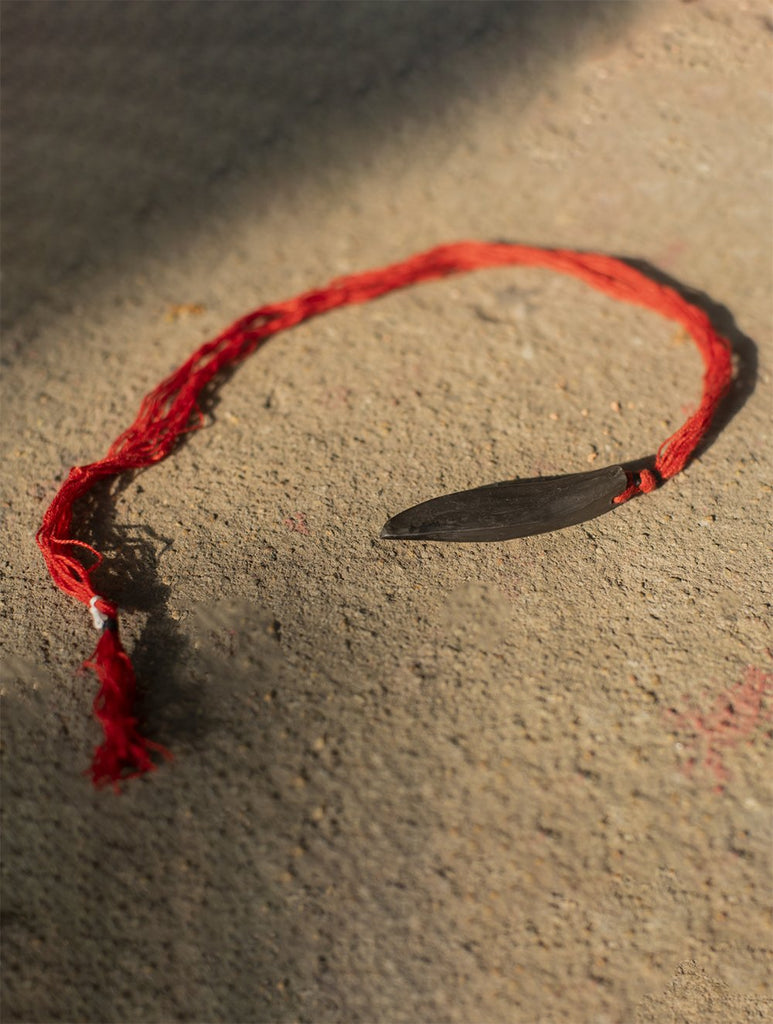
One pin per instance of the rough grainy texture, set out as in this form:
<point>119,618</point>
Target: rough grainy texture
<point>523,782</point>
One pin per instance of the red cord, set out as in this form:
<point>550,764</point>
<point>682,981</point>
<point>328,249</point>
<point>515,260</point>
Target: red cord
<point>171,410</point>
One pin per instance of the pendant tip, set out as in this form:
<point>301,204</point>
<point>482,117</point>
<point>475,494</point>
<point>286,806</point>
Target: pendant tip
<point>400,527</point>
<point>388,532</point>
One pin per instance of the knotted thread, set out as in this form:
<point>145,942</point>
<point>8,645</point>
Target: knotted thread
<point>172,409</point>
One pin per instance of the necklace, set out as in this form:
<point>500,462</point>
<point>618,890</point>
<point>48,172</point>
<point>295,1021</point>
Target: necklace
<point>496,512</point>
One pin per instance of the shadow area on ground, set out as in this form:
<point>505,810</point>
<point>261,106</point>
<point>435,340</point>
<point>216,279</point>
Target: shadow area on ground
<point>744,350</point>
<point>744,354</point>
<point>125,133</point>
<point>170,710</point>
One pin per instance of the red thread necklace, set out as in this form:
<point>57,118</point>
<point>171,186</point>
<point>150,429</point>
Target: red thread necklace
<point>172,409</point>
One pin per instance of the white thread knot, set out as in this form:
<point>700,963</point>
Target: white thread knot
<point>99,618</point>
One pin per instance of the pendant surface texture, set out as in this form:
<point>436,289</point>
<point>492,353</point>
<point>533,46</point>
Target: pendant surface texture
<point>513,508</point>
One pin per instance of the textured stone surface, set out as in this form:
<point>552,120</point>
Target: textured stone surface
<point>520,782</point>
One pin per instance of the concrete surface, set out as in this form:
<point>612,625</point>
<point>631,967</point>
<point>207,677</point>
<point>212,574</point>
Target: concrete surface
<point>522,782</point>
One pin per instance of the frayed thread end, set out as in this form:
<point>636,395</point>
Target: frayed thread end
<point>124,752</point>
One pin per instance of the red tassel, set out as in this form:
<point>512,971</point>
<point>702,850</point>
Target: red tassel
<point>124,753</point>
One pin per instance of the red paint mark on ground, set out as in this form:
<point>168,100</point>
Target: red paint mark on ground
<point>338,397</point>
<point>670,254</point>
<point>735,717</point>
<point>297,523</point>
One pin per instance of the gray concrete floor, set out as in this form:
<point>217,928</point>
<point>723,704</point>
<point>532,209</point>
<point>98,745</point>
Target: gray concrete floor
<point>520,782</point>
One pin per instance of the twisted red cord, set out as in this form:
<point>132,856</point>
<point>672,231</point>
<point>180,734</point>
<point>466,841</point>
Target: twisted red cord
<point>171,410</point>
